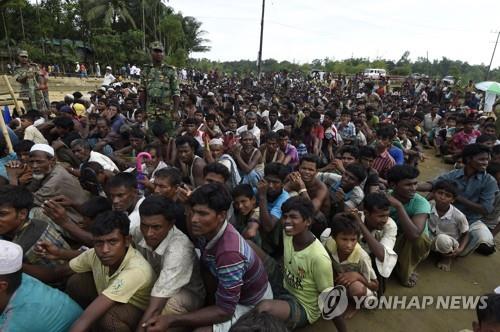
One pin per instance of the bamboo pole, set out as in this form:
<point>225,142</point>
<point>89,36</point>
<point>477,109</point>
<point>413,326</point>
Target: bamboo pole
<point>12,94</point>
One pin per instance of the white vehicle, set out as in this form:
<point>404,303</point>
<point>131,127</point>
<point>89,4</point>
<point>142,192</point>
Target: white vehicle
<point>374,73</point>
<point>449,79</point>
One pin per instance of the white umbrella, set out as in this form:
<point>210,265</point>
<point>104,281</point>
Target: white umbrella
<point>489,86</point>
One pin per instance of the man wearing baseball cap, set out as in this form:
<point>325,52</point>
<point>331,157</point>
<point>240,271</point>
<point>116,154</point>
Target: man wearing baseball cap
<point>27,304</point>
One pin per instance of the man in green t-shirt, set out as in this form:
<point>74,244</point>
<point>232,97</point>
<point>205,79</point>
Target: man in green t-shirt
<point>410,212</point>
<point>307,269</point>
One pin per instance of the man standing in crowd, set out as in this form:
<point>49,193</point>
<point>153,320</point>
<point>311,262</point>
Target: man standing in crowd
<point>161,89</point>
<point>28,75</point>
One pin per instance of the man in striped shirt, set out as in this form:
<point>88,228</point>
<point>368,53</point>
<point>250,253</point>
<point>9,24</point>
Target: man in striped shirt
<point>239,273</point>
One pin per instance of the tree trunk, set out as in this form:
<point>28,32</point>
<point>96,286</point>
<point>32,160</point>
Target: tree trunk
<point>22,22</point>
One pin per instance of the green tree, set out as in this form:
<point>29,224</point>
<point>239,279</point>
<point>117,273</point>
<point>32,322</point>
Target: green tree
<point>110,12</point>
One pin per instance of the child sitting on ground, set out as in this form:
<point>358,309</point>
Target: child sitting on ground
<point>449,228</point>
<point>352,266</point>
<point>246,213</point>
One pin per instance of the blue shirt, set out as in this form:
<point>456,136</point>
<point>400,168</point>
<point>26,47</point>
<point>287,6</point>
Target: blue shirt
<point>274,208</point>
<point>479,188</point>
<point>36,307</point>
<point>5,160</point>
<point>397,154</point>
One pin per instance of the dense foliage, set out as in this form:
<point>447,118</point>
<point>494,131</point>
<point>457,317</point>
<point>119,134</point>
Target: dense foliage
<point>106,31</point>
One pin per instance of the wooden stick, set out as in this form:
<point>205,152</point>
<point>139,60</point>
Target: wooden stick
<point>6,134</point>
<point>13,95</point>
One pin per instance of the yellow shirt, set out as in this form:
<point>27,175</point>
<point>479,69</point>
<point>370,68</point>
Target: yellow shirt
<point>131,282</point>
<point>307,273</point>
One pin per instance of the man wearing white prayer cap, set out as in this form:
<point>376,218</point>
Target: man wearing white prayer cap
<point>51,180</point>
<point>216,153</point>
<point>27,304</point>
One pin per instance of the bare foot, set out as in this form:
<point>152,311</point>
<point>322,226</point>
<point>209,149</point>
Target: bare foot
<point>444,264</point>
<point>350,311</point>
<point>412,281</point>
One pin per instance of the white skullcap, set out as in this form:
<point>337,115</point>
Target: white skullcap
<point>216,141</point>
<point>44,148</point>
<point>11,257</point>
<point>445,244</point>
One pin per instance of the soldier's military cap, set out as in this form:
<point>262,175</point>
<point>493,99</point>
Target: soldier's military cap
<point>156,45</point>
<point>23,53</point>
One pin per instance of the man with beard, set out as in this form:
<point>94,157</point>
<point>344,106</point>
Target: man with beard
<point>50,180</point>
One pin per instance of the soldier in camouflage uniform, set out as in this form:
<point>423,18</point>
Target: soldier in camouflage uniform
<point>161,89</point>
<point>28,75</point>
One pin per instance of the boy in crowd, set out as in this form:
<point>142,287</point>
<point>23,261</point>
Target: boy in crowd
<point>246,213</point>
<point>17,226</point>
<point>352,266</point>
<point>31,132</point>
<point>271,196</point>
<point>347,155</point>
<point>378,235</point>
<point>410,212</point>
<point>112,281</point>
<point>238,272</point>
<point>367,155</point>
<point>345,190</point>
<point>307,268</point>
<point>384,161</point>
<point>448,226</point>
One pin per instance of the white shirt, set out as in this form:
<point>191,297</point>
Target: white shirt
<point>255,131</point>
<point>386,237</point>
<point>33,134</point>
<point>452,223</point>
<point>108,79</point>
<point>176,264</point>
<point>135,218</point>
<point>104,161</point>
<point>278,126</point>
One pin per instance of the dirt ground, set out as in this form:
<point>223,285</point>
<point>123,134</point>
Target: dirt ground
<point>473,275</point>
